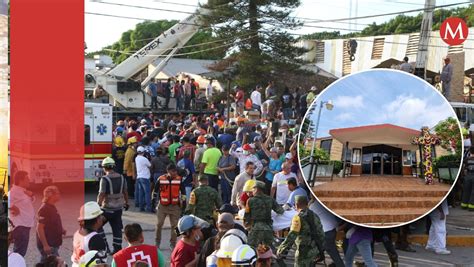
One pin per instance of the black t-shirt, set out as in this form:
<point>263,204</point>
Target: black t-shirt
<point>286,101</point>
<point>97,243</point>
<point>159,132</point>
<point>53,228</point>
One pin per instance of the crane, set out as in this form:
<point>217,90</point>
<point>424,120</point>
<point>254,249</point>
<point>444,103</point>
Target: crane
<point>117,82</point>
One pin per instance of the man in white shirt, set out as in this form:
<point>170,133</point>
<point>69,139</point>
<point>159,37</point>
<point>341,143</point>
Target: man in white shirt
<point>247,156</point>
<point>280,184</point>
<point>238,186</point>
<point>143,188</point>
<point>22,213</point>
<point>256,98</point>
<point>209,90</point>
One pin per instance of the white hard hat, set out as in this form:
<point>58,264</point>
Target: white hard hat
<point>141,149</point>
<point>228,245</point>
<point>89,211</point>
<point>244,255</point>
<point>92,258</point>
<point>237,233</point>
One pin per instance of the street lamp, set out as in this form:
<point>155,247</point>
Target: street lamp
<point>329,106</point>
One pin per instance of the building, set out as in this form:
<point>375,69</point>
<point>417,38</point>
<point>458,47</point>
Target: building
<point>383,149</point>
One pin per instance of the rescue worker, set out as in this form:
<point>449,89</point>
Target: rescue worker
<point>258,216</point>
<point>134,236</point>
<point>87,238</point>
<point>307,233</point>
<point>467,200</point>
<point>168,193</point>
<point>118,150</point>
<point>204,201</point>
<point>113,198</point>
<point>244,255</point>
<point>129,165</point>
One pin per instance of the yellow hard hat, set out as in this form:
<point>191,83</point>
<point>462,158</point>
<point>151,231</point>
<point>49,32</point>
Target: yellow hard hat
<point>118,141</point>
<point>248,187</point>
<point>108,161</point>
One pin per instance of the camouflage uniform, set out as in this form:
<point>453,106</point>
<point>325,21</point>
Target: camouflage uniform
<point>307,249</point>
<point>258,213</point>
<point>203,201</point>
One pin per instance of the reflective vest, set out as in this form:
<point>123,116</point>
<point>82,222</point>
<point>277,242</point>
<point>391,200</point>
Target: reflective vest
<point>169,190</point>
<point>80,245</point>
<point>145,253</point>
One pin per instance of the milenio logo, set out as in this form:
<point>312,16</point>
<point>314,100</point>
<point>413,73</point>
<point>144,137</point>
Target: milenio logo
<point>454,31</point>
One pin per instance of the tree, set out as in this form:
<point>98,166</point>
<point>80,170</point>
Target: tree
<point>449,134</point>
<point>133,40</point>
<point>257,31</point>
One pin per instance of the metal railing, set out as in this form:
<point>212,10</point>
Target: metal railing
<point>317,169</point>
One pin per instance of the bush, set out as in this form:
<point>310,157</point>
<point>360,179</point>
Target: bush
<point>447,161</point>
<point>337,166</point>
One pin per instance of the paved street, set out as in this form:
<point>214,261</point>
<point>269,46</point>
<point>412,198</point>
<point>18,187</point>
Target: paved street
<point>461,256</point>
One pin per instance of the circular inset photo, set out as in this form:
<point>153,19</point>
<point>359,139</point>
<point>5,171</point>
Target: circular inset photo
<point>380,148</point>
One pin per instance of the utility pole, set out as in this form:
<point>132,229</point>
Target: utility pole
<point>425,31</point>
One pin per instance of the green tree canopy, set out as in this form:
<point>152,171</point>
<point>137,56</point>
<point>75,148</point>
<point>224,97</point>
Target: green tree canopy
<point>449,134</point>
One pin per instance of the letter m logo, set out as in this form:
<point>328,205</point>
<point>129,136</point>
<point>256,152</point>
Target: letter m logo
<point>454,31</point>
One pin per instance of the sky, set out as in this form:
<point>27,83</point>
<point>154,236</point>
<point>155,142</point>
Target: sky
<point>381,96</point>
<point>101,30</point>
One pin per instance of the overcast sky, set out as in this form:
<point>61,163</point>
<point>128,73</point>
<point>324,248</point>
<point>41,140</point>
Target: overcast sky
<point>381,96</point>
<point>101,31</point>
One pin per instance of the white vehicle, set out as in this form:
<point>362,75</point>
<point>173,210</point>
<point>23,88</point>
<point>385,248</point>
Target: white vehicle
<point>465,113</point>
<point>97,137</point>
<point>118,82</point>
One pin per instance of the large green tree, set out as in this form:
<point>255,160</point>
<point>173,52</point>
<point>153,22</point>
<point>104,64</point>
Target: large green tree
<point>257,34</point>
<point>133,40</point>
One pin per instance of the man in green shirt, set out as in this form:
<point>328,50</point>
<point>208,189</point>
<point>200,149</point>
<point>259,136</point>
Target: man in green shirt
<point>173,148</point>
<point>209,162</point>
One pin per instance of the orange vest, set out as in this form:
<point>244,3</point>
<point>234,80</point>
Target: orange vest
<point>169,190</point>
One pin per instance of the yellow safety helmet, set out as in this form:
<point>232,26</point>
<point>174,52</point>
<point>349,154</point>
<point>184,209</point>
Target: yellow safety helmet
<point>248,186</point>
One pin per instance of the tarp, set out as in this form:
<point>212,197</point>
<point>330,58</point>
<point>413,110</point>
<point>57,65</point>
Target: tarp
<point>280,222</point>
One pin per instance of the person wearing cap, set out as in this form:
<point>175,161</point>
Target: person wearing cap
<point>225,222</point>
<point>137,250</point>
<point>143,186</point>
<point>185,252</point>
<point>22,213</point>
<point>204,201</point>
<point>168,192</point>
<point>129,168</point>
<point>247,193</point>
<point>49,228</point>
<point>226,167</point>
<point>307,233</point>
<point>209,162</point>
<point>240,181</point>
<point>223,256</point>
<point>296,191</point>
<point>247,156</point>
<point>446,76</point>
<point>113,198</point>
<point>311,95</point>
<point>273,167</point>
<point>87,237</point>
<point>258,216</point>
<point>280,184</point>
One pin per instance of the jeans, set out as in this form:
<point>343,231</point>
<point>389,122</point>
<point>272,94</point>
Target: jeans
<point>154,102</point>
<point>21,237</point>
<point>287,113</point>
<point>179,103</point>
<point>331,249</point>
<point>363,247</point>
<point>44,256</point>
<point>213,181</point>
<point>114,218</point>
<point>188,190</point>
<point>144,194</point>
<point>226,191</point>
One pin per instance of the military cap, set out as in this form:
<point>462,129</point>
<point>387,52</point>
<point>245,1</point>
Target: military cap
<point>259,184</point>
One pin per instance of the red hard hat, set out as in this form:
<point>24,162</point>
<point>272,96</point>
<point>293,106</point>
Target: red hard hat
<point>246,147</point>
<point>201,139</point>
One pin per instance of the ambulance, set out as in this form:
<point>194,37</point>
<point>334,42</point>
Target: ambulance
<point>97,137</point>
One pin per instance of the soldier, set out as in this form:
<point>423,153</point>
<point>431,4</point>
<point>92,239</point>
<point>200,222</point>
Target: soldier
<point>306,231</point>
<point>203,201</point>
<point>258,216</point>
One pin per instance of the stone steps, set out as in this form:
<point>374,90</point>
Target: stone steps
<point>381,216</point>
<point>379,202</point>
<point>379,193</point>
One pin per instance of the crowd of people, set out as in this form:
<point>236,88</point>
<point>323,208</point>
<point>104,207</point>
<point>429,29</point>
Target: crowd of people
<point>224,183</point>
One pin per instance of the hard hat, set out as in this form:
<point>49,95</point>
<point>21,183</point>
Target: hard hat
<point>237,233</point>
<point>132,140</point>
<point>244,255</point>
<point>108,161</point>
<point>247,147</point>
<point>248,186</point>
<point>141,149</point>
<point>92,258</point>
<point>119,129</point>
<point>120,123</point>
<point>118,141</point>
<point>201,139</point>
<point>188,222</point>
<point>228,245</point>
<point>89,211</point>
